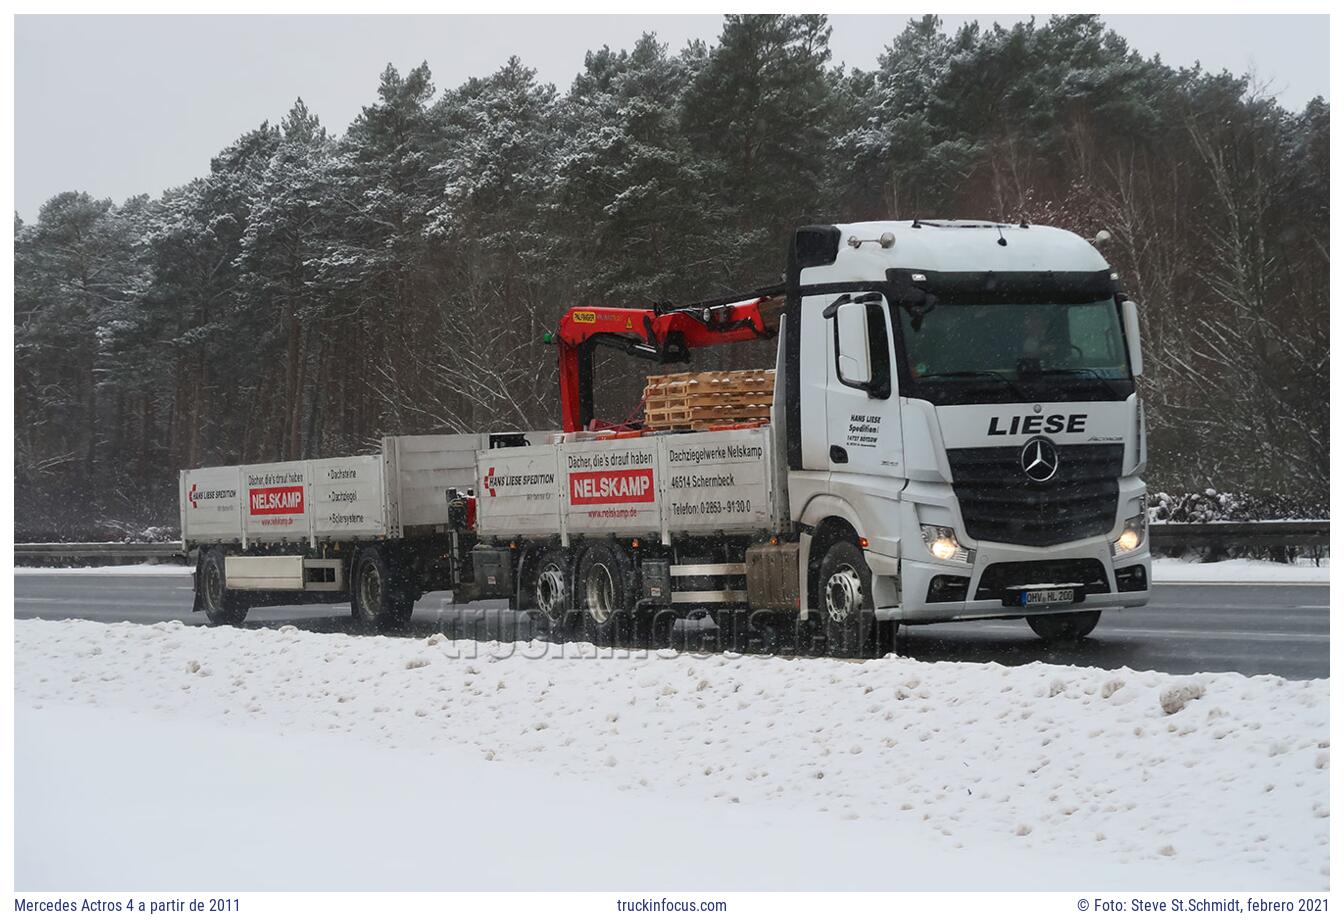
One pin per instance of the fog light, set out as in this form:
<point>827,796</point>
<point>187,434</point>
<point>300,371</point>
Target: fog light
<point>942,544</point>
<point>947,589</point>
<point>1131,538</point>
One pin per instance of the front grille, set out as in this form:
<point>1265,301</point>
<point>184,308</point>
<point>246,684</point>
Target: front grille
<point>999,503</point>
<point>1089,573</point>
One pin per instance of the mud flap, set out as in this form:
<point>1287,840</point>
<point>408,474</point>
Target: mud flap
<point>196,603</point>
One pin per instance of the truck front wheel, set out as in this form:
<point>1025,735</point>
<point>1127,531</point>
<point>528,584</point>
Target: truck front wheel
<point>1064,627</point>
<point>845,589</point>
<point>378,598</point>
<point>222,607</point>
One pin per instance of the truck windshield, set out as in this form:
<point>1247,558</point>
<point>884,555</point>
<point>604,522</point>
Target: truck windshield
<point>1015,343</point>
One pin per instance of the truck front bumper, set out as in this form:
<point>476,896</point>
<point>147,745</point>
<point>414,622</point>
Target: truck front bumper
<point>932,592</point>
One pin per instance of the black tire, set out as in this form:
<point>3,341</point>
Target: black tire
<point>222,607</point>
<point>551,592</point>
<point>1064,627</point>
<point>380,599</point>
<point>845,602</point>
<point>606,591</point>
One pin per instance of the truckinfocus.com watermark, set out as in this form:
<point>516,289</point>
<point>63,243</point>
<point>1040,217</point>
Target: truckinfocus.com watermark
<point>496,633</point>
<point>671,905</point>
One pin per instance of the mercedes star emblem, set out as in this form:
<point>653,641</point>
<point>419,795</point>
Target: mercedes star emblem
<point>1040,459</point>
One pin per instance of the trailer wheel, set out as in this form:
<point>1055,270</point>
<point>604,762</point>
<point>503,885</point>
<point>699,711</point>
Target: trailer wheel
<point>552,608</point>
<point>1064,627</point>
<point>845,586</point>
<point>379,599</point>
<point>606,593</point>
<point>222,606</point>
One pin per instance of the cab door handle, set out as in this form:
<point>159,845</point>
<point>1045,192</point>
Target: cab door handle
<point>839,454</point>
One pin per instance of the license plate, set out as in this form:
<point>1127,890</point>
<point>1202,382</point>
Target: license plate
<point>1045,597</point>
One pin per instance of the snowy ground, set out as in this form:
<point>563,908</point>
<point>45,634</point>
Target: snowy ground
<point>179,757</point>
<point>1241,571</point>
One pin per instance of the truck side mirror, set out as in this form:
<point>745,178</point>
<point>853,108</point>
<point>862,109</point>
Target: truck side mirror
<point>1130,312</point>
<point>851,344</point>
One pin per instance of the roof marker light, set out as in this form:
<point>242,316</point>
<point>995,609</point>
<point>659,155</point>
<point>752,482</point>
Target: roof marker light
<point>918,276</point>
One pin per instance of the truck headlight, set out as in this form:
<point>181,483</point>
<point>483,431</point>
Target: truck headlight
<point>1131,538</point>
<point>942,544</point>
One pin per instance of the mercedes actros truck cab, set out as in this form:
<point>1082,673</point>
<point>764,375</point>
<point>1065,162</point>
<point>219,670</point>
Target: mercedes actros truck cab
<point>962,397</point>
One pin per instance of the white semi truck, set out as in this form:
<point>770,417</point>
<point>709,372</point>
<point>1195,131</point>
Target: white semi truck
<point>955,435</point>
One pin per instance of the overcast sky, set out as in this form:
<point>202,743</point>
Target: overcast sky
<point>118,105</point>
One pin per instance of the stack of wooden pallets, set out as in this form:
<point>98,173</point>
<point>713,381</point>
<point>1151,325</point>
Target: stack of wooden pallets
<point>707,399</point>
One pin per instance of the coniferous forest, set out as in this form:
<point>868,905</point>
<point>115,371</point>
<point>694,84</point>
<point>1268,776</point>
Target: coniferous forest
<point>319,287</point>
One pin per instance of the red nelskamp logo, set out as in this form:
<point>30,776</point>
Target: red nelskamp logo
<point>276,500</point>
<point>611,487</point>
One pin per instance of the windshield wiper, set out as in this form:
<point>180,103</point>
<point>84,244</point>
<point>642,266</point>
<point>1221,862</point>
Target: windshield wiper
<point>1075,372</point>
<point>995,375</point>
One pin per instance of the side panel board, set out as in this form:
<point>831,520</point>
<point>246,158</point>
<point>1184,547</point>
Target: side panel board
<point>276,500</point>
<point>347,497</point>
<point>718,481</point>
<point>211,504</point>
<point>427,467</point>
<point>518,492</point>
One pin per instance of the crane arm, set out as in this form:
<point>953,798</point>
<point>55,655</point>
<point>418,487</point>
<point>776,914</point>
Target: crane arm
<point>661,334</point>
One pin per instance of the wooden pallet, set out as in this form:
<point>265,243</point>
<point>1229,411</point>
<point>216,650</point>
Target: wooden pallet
<point>708,398</point>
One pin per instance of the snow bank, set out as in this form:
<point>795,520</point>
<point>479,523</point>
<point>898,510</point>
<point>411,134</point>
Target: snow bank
<point>143,753</point>
<point>1240,571</point>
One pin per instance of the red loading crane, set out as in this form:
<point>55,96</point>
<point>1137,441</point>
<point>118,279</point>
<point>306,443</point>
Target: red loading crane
<point>664,334</point>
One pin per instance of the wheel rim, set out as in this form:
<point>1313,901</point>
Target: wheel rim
<point>550,588</point>
<point>601,593</point>
<point>370,589</point>
<point>844,594</point>
<point>214,587</point>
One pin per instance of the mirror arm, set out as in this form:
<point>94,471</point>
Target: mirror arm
<point>829,312</point>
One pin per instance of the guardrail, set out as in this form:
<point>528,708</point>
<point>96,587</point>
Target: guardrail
<point>1243,533</point>
<point>1216,537</point>
<point>56,552</point>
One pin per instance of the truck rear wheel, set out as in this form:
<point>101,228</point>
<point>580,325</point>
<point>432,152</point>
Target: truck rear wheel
<point>606,593</point>
<point>379,599</point>
<point>1064,627</point>
<point>845,589</point>
<point>552,607</point>
<point>222,607</point>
